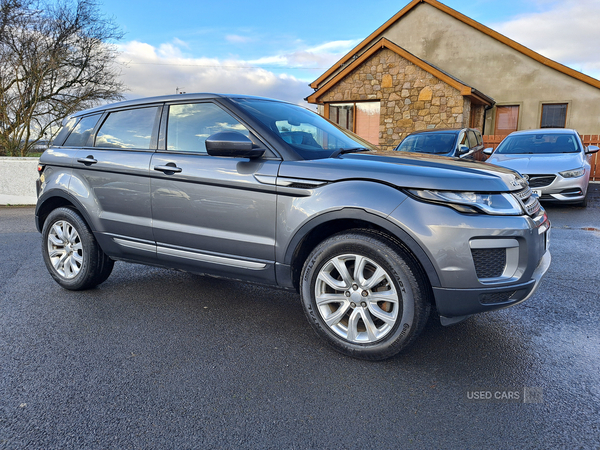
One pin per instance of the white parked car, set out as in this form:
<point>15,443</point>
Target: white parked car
<point>553,160</point>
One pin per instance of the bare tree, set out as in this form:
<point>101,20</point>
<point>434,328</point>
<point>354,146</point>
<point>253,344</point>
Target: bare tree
<point>55,58</point>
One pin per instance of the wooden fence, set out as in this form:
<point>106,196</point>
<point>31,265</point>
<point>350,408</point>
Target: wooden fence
<point>587,139</point>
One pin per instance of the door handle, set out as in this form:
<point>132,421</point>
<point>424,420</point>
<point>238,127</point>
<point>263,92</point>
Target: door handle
<point>89,159</point>
<point>170,168</point>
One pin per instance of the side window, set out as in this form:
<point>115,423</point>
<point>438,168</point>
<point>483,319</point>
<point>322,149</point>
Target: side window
<point>80,135</point>
<point>464,140</point>
<point>189,125</point>
<point>472,139</point>
<point>128,129</point>
<point>479,138</point>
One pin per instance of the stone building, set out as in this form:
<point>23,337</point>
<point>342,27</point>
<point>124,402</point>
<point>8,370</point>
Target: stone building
<point>431,67</point>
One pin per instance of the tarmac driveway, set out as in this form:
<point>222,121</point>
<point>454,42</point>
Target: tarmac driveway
<point>156,358</point>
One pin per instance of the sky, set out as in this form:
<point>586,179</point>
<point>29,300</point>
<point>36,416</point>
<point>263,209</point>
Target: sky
<point>275,49</point>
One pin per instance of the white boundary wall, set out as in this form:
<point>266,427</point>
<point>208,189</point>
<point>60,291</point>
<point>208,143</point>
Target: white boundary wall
<point>17,180</point>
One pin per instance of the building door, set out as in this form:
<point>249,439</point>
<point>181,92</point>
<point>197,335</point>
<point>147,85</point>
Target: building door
<point>367,121</point>
<point>507,119</point>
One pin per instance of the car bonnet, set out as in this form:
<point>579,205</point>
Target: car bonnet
<point>540,163</point>
<point>415,171</point>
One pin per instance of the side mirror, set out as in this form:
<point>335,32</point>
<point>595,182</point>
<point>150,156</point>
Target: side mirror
<point>488,151</point>
<point>462,149</point>
<point>591,149</point>
<point>231,144</point>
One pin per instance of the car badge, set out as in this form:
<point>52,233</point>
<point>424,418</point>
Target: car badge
<point>517,182</point>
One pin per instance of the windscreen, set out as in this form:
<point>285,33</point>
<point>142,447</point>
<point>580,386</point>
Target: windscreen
<point>542,143</point>
<point>310,135</point>
<point>434,143</point>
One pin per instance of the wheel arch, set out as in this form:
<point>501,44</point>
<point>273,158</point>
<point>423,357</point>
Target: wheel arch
<point>51,200</point>
<point>327,224</point>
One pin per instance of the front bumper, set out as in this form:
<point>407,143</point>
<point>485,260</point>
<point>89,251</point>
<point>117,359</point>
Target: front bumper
<point>455,305</point>
<point>568,190</point>
<point>482,262</point>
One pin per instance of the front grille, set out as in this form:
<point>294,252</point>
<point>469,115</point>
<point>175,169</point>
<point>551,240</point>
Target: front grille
<point>496,297</point>
<point>537,181</point>
<point>529,202</point>
<point>489,262</point>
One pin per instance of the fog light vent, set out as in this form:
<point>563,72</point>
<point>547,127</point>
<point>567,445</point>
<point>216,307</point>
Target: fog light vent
<point>489,262</point>
<point>497,297</point>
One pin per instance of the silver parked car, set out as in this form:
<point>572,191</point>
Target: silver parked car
<point>268,192</point>
<point>554,161</point>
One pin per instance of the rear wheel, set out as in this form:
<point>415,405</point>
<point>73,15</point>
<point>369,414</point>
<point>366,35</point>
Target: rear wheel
<point>71,253</point>
<point>364,295</point>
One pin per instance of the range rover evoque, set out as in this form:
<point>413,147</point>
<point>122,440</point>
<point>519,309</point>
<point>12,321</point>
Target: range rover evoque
<point>264,191</point>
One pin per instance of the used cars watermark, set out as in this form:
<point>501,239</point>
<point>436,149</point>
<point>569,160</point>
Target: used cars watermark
<point>506,395</point>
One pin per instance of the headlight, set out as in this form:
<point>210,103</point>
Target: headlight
<point>574,173</point>
<point>473,202</point>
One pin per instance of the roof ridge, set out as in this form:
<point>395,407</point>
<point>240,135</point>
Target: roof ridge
<point>471,22</point>
<point>465,89</point>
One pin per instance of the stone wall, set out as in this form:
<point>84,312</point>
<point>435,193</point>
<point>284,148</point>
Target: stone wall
<point>411,98</point>
<point>477,112</point>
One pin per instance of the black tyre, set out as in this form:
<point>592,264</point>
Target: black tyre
<point>364,294</point>
<point>71,253</point>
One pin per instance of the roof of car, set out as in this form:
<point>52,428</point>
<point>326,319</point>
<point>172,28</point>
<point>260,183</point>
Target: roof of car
<point>442,130</point>
<point>169,98</point>
<point>545,131</point>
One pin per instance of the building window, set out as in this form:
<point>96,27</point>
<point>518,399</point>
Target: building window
<point>343,115</point>
<point>554,115</point>
<point>361,118</point>
<point>507,119</point>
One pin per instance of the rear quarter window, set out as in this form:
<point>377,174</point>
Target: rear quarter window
<point>80,135</point>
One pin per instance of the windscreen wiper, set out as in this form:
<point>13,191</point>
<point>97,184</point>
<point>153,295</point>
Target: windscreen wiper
<point>341,151</point>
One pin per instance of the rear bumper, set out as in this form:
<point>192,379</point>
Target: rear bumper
<point>453,305</point>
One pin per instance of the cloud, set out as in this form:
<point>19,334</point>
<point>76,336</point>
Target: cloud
<point>150,71</point>
<point>320,57</point>
<point>236,39</point>
<point>565,32</point>
<point>180,43</point>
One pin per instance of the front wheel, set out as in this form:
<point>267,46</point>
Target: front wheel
<point>71,253</point>
<point>364,295</point>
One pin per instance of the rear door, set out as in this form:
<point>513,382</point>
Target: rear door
<point>111,177</point>
<point>211,214</point>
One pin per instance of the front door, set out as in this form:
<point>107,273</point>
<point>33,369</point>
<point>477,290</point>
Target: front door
<point>211,214</point>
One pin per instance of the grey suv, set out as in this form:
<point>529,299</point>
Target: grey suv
<point>268,192</point>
